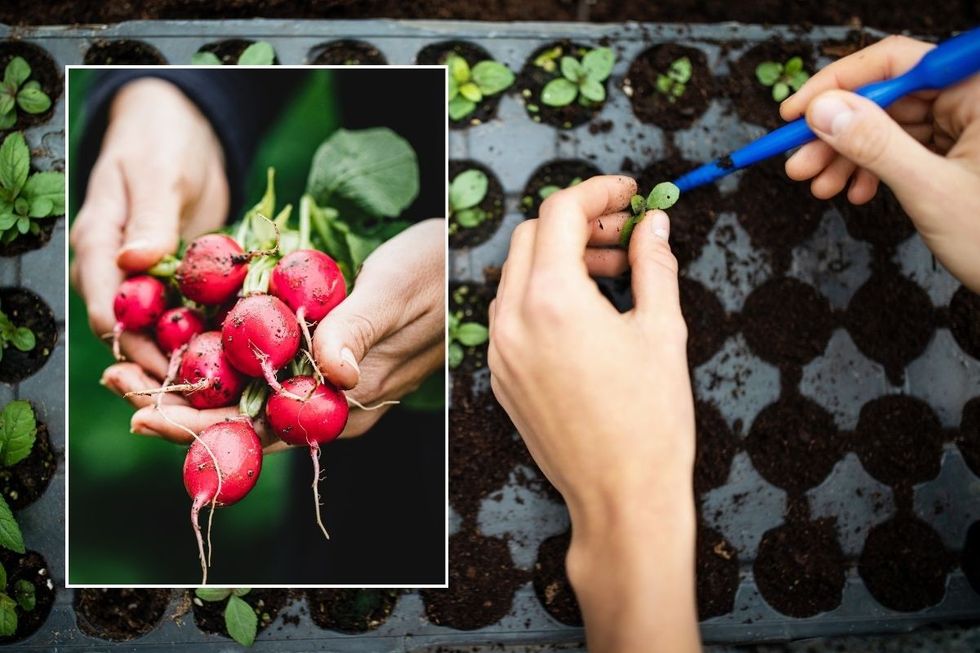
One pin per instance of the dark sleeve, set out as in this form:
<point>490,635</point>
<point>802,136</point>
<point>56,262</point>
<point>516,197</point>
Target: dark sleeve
<point>240,104</point>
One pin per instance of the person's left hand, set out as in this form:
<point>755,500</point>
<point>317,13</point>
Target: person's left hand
<point>380,343</point>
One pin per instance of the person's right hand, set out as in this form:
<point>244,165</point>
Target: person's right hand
<point>160,174</point>
<point>926,147</point>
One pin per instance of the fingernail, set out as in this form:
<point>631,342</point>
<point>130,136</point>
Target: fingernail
<point>135,244</point>
<point>660,224</point>
<point>831,115</point>
<point>347,356</point>
<point>137,428</point>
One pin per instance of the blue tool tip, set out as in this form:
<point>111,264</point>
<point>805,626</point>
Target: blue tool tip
<point>700,176</point>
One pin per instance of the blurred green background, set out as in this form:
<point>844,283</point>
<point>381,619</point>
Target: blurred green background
<point>128,511</point>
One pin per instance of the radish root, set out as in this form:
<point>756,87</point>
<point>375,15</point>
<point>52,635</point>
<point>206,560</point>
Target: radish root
<point>315,455</point>
<point>270,374</point>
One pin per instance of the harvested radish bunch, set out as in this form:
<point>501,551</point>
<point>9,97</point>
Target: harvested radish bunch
<point>260,335</point>
<point>176,327</point>
<point>138,304</point>
<point>213,269</point>
<point>317,419</point>
<point>235,448</point>
<point>310,283</point>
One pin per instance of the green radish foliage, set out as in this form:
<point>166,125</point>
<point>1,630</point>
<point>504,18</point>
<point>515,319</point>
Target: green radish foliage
<point>19,91</point>
<point>673,83</point>
<point>25,197</point>
<point>20,595</point>
<point>663,196</point>
<point>464,334</point>
<point>241,621</point>
<point>20,337</point>
<point>782,77</point>
<point>260,53</point>
<point>467,190</point>
<point>468,87</point>
<point>580,78</point>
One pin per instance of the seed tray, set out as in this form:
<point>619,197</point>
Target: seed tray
<point>840,379</point>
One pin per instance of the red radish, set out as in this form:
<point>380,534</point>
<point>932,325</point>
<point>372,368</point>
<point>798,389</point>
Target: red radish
<point>206,375</point>
<point>235,448</point>
<point>311,422</point>
<point>260,335</point>
<point>310,283</point>
<point>213,269</point>
<point>138,305</point>
<point>176,327</point>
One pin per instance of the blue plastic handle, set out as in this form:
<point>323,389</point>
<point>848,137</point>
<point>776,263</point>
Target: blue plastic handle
<point>948,63</point>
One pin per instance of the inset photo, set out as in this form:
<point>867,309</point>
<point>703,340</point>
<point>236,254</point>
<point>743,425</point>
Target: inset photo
<point>256,327</point>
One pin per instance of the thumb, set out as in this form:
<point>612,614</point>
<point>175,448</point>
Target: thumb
<point>862,132</point>
<point>153,223</point>
<point>347,333</point>
<point>654,267</point>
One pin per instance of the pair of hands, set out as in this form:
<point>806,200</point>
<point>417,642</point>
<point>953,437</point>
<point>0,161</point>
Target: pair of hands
<point>603,400</point>
<point>150,187</point>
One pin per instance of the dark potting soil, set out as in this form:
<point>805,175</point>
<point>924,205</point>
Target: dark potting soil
<point>25,309</point>
<point>651,105</point>
<point>472,300</point>
<point>964,320</point>
<point>551,581</point>
<point>800,567</point>
<point>899,440</point>
<point>210,615</point>
<point>351,610</point>
<point>229,50</point>
<point>123,51</point>
<point>346,52</point>
<point>777,212</point>
<point>533,79</point>
<point>716,446</point>
<point>881,222</point>
<point>690,219</point>
<point>891,320</point>
<point>119,615</point>
<point>904,564</point>
<point>968,439</point>
<point>492,205</point>
<point>717,574</point>
<point>793,443</point>
<point>707,323</point>
<point>752,101</point>
<point>560,173</point>
<point>22,484</point>
<point>33,568</point>
<point>970,558</point>
<point>435,55</point>
<point>482,582</point>
<point>48,75</point>
<point>787,321</point>
<point>29,242</point>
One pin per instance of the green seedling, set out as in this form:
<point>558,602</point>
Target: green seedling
<point>260,53</point>
<point>464,334</point>
<point>20,337</point>
<point>546,191</point>
<point>673,83</point>
<point>26,198</point>
<point>20,595</point>
<point>663,196</point>
<point>241,621</point>
<point>18,431</point>
<point>18,90</point>
<point>470,86</point>
<point>782,77</point>
<point>467,190</point>
<point>582,79</point>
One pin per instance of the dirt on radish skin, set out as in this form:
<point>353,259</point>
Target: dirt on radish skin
<point>309,282</point>
<point>176,327</point>
<point>260,335</point>
<point>205,366</point>
<point>213,269</point>
<point>138,304</point>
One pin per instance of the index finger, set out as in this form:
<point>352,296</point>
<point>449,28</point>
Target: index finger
<point>565,219</point>
<point>888,58</point>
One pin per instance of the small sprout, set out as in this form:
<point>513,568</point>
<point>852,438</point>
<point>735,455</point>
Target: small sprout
<point>469,86</point>
<point>20,337</point>
<point>467,190</point>
<point>25,198</point>
<point>548,60</point>
<point>663,196</point>
<point>580,79</point>
<point>463,334</point>
<point>241,622</point>
<point>19,91</point>
<point>674,82</point>
<point>782,77</point>
<point>20,596</point>
<point>551,189</point>
<point>260,53</point>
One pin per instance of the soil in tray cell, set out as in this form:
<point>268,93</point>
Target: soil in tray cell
<point>964,320</point>
<point>970,558</point>
<point>229,50</point>
<point>492,205</point>
<point>346,52</point>
<point>707,323</point>
<point>471,301</point>
<point>777,212</point>
<point>43,69</point>
<point>123,51</point>
<point>881,222</point>
<point>119,614</point>
<point>690,219</point>
<point>891,320</point>
<point>34,569</point>
<point>210,615</point>
<point>482,582</point>
<point>904,564</point>
<point>787,321</point>
<point>533,78</point>
<point>899,440</point>
<point>22,484</point>
<point>664,109</point>
<point>551,176</point>
<point>25,309</point>
<point>793,443</point>
<point>751,99</point>
<point>716,447</point>
<point>800,567</point>
<point>29,242</point>
<point>551,581</point>
<point>435,55</point>
<point>351,610</point>
<point>717,574</point>
<point>968,439</point>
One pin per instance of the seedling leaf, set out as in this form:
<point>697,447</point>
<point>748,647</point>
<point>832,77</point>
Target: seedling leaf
<point>212,594</point>
<point>546,191</point>
<point>17,72</point>
<point>492,77</point>
<point>592,90</point>
<point>459,70</point>
<point>680,70</point>
<point>18,431</point>
<point>571,69</point>
<point>471,92</point>
<point>469,218</point>
<point>10,535</point>
<point>460,107</point>
<point>241,621</point>
<point>33,100</point>
<point>49,186</point>
<point>472,334</point>
<point>204,58</point>
<point>598,63</point>
<point>663,196</point>
<point>15,162</point>
<point>780,91</point>
<point>638,205</point>
<point>24,594</point>
<point>468,189</point>
<point>793,66</point>
<point>559,92</point>
<point>456,355</point>
<point>259,53</point>
<point>768,72</point>
<point>8,616</point>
